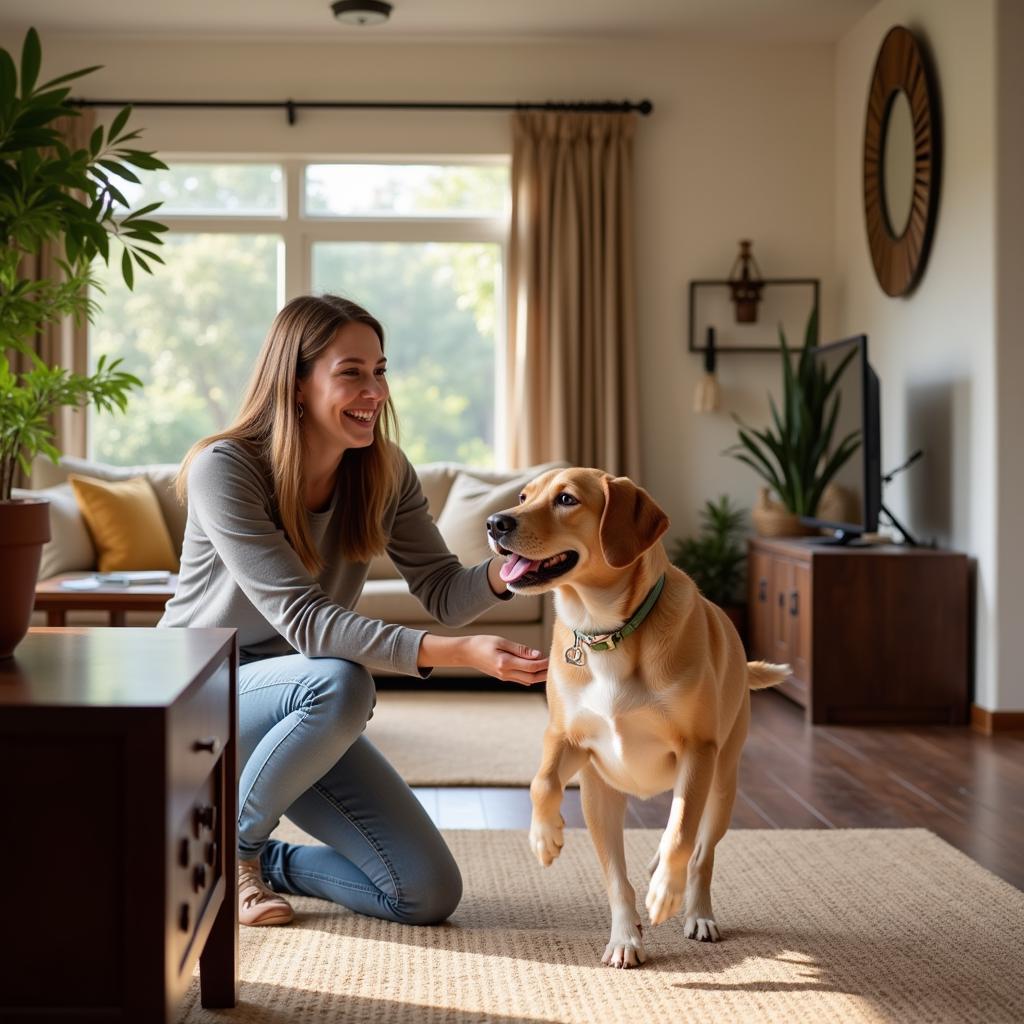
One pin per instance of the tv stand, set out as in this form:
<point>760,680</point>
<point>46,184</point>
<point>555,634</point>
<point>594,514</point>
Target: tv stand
<point>874,634</point>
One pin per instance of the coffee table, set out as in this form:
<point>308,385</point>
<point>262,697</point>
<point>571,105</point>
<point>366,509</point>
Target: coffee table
<point>53,599</point>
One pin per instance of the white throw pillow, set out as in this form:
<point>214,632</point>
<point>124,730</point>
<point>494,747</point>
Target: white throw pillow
<point>70,547</point>
<point>463,520</point>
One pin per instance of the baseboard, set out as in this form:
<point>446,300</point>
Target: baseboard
<point>989,722</point>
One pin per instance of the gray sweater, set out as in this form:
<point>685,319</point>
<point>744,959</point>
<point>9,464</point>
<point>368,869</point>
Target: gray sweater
<point>237,569</point>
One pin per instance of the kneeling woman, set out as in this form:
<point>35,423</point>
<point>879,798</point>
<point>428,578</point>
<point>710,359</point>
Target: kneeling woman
<point>285,510</point>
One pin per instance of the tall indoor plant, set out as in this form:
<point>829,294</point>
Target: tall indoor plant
<point>68,199</point>
<point>715,559</point>
<point>795,456</point>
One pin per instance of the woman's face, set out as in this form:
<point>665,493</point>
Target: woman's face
<point>345,391</point>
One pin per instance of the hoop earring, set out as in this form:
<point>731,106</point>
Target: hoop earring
<point>300,410</point>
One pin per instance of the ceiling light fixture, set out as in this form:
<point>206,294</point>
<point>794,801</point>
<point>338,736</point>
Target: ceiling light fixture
<point>361,12</point>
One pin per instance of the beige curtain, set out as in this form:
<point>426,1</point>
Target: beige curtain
<point>571,370</point>
<point>64,343</point>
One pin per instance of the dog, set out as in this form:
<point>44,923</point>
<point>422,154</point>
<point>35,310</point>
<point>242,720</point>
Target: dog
<point>648,690</point>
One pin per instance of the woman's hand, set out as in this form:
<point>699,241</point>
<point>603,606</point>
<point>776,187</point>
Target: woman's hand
<point>493,655</point>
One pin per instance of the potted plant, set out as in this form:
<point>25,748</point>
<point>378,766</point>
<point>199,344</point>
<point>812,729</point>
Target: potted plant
<point>795,456</point>
<point>69,199</point>
<point>715,559</point>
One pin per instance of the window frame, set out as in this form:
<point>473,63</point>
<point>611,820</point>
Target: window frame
<point>298,234</point>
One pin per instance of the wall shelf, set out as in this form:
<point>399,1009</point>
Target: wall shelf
<point>788,300</point>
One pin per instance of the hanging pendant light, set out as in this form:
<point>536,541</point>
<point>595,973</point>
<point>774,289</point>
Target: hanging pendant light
<point>361,12</point>
<point>746,285</point>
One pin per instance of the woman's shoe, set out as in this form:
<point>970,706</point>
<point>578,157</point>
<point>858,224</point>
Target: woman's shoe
<point>257,902</point>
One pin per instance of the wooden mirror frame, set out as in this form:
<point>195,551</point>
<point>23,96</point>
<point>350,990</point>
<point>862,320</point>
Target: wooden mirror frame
<point>899,262</point>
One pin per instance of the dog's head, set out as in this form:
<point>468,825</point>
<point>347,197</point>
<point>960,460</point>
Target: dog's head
<point>578,525</point>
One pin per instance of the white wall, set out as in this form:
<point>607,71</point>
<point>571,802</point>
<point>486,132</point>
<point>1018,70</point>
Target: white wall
<point>1009,372</point>
<point>939,352</point>
<point>740,146</point>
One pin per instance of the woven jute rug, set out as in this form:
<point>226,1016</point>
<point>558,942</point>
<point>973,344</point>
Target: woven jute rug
<point>460,738</point>
<point>818,926</point>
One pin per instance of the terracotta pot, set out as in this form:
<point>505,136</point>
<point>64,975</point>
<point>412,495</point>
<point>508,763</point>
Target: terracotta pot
<point>24,529</point>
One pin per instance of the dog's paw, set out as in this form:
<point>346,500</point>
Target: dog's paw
<point>665,894</point>
<point>703,929</point>
<point>547,839</point>
<point>625,947</point>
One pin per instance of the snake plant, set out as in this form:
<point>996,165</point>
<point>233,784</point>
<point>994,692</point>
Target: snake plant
<point>796,455</point>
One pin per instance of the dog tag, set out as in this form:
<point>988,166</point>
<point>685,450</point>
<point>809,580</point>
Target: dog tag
<point>574,655</point>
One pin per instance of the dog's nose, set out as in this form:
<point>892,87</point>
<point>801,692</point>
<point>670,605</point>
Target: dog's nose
<point>498,525</point>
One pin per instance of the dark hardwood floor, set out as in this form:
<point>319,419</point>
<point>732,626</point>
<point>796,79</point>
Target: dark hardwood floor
<point>965,787</point>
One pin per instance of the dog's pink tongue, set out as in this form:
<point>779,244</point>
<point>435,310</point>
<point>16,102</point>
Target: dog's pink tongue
<point>516,567</point>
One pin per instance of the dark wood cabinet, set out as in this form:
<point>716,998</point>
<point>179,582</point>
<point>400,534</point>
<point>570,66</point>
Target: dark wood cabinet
<point>872,634</point>
<point>117,782</point>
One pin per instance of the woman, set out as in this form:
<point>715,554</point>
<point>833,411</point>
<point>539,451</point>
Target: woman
<point>285,510</point>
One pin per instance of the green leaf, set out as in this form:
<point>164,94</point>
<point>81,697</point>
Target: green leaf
<point>31,58</point>
<point>145,209</point>
<point>8,79</point>
<point>120,170</point>
<point>118,123</point>
<point>71,76</point>
<point>126,270</point>
<point>96,140</point>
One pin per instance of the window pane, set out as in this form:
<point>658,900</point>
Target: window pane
<point>437,304</point>
<point>406,190</point>
<point>191,333</point>
<point>205,190</point>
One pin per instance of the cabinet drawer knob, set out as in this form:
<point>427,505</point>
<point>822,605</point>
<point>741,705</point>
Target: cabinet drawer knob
<point>762,590</point>
<point>205,817</point>
<point>210,743</point>
<point>794,602</point>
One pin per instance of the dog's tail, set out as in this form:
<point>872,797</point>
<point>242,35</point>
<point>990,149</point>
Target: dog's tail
<point>761,674</point>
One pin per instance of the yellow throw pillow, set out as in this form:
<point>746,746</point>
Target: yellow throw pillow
<point>126,524</point>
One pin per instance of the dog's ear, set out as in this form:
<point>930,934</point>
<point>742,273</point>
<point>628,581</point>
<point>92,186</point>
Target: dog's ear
<point>631,523</point>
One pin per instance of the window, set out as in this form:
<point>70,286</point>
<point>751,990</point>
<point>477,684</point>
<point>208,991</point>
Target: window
<point>421,246</point>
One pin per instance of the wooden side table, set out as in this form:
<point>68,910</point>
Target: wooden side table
<point>56,601</point>
<point>118,789</point>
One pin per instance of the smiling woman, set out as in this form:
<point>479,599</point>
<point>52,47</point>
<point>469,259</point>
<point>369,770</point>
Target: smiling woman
<point>286,507</point>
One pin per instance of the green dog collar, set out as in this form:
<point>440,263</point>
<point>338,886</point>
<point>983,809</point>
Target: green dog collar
<point>609,641</point>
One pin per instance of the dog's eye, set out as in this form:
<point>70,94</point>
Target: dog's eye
<point>522,497</point>
<point>566,499</point>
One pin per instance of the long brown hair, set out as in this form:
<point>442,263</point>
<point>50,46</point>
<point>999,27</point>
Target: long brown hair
<point>268,425</point>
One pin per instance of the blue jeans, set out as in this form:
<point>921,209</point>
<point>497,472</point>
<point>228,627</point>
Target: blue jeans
<point>302,754</point>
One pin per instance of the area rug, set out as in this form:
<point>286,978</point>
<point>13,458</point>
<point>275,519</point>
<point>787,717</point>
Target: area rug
<point>460,738</point>
<point>819,926</point>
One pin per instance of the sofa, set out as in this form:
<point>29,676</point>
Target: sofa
<point>459,498</point>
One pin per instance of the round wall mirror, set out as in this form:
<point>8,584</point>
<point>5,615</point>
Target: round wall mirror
<point>898,164</point>
<point>901,163</point>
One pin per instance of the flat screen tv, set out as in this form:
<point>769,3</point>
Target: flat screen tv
<point>860,477</point>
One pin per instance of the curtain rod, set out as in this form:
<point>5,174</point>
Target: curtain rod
<point>644,107</point>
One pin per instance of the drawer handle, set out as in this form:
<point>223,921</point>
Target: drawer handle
<point>210,743</point>
<point>782,599</point>
<point>762,590</point>
<point>794,603</point>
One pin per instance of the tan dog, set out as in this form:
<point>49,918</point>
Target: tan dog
<point>666,707</point>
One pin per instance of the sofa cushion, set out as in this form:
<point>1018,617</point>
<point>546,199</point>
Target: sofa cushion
<point>125,523</point>
<point>70,547</point>
<point>391,601</point>
<point>160,475</point>
<point>471,500</point>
